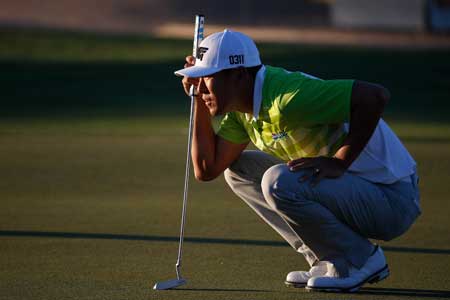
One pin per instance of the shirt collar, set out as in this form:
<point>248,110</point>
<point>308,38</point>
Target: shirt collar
<point>257,92</point>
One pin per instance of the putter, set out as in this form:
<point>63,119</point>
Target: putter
<point>170,284</point>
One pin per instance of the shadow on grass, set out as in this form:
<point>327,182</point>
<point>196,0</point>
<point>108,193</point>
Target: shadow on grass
<point>405,292</point>
<point>195,240</point>
<point>222,290</point>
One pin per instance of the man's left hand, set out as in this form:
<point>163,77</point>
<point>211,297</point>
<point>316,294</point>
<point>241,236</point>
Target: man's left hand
<point>319,167</point>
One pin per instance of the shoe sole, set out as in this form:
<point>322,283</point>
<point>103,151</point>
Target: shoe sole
<point>376,277</point>
<point>295,284</point>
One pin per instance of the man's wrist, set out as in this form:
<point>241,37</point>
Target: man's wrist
<point>342,156</point>
<point>342,162</point>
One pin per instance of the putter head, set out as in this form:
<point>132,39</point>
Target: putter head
<point>169,284</point>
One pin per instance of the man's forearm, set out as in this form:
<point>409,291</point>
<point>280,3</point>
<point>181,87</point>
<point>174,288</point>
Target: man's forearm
<point>203,141</point>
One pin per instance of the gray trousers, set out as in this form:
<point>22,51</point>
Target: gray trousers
<point>331,221</point>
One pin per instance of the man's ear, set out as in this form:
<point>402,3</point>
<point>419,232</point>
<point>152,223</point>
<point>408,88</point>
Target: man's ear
<point>241,73</point>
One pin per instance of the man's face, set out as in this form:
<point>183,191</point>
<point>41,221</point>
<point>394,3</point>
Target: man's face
<point>216,92</point>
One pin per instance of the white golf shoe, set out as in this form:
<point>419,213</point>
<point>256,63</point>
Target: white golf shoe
<point>299,279</point>
<point>374,270</point>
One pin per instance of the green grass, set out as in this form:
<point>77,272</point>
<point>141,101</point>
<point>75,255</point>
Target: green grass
<point>92,156</point>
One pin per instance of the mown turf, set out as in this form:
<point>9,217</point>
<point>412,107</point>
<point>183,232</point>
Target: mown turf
<point>91,189</point>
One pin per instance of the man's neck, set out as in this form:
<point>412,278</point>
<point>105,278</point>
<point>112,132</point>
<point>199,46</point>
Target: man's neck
<point>247,97</point>
<point>245,106</point>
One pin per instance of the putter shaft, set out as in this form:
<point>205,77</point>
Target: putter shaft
<point>198,37</point>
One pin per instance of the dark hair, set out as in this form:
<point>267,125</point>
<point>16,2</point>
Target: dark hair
<point>251,70</point>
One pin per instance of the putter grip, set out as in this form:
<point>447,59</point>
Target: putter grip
<point>199,33</point>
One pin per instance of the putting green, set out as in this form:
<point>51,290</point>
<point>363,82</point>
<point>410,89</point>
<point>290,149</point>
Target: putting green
<point>93,212</point>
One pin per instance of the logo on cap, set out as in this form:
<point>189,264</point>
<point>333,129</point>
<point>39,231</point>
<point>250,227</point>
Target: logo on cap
<point>201,51</point>
<point>236,59</point>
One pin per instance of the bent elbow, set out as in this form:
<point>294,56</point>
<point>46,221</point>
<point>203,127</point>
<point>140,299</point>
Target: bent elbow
<point>203,176</point>
<point>383,96</point>
<point>377,98</point>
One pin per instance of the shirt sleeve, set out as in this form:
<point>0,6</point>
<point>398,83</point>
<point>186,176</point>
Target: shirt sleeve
<point>313,101</point>
<point>232,130</point>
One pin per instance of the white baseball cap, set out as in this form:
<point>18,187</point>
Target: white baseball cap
<point>223,50</point>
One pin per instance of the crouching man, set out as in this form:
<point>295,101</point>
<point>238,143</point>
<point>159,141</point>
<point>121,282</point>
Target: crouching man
<point>330,173</point>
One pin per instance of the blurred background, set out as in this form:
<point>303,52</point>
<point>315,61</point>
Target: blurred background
<point>93,133</point>
<point>155,34</point>
<point>143,15</point>
<point>153,37</point>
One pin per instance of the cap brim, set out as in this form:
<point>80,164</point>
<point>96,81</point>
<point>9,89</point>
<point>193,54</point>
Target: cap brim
<point>196,71</point>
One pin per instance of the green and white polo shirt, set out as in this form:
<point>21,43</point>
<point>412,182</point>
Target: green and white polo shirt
<point>295,115</point>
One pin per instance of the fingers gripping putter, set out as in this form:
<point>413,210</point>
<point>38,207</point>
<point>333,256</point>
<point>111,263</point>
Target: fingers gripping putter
<point>164,285</point>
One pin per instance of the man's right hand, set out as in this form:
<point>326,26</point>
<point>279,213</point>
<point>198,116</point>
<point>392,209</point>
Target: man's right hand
<point>188,81</point>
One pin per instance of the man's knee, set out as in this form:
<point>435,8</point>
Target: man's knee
<point>241,165</point>
<point>250,165</point>
<point>230,177</point>
<point>238,169</point>
<point>280,185</point>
